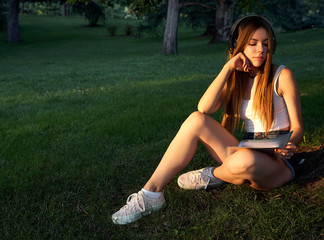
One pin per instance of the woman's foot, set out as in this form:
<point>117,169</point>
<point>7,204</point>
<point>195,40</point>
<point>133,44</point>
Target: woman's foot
<point>137,205</point>
<point>199,179</point>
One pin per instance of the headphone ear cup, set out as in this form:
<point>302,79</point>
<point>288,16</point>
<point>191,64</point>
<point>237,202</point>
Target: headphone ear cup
<point>233,35</point>
<point>231,42</point>
<point>234,43</point>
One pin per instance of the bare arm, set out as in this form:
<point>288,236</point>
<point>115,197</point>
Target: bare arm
<point>289,91</point>
<point>211,101</point>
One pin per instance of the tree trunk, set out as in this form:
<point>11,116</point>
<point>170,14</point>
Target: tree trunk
<point>170,43</point>
<point>64,10</point>
<point>209,32</point>
<point>13,23</point>
<point>223,21</point>
<point>22,10</point>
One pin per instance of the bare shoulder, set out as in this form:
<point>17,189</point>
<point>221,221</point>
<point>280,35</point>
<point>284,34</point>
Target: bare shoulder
<point>286,73</point>
<point>287,81</point>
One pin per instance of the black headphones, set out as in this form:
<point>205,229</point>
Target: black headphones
<point>234,32</point>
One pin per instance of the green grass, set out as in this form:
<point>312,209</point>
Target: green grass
<point>86,117</point>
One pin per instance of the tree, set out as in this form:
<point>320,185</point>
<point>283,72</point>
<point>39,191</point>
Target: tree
<point>170,42</point>
<point>223,17</point>
<point>3,14</point>
<point>295,14</point>
<point>198,16</point>
<point>64,8</point>
<point>91,10</point>
<point>152,22</point>
<point>223,20</point>
<point>13,22</point>
<point>141,7</point>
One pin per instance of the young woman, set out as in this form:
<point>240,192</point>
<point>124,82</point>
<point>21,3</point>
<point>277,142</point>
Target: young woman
<point>251,88</point>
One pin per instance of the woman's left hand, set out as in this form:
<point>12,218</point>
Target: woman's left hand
<point>287,152</point>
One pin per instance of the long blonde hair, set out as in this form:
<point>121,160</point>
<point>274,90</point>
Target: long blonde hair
<point>237,82</point>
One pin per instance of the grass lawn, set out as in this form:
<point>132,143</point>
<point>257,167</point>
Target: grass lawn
<point>85,119</point>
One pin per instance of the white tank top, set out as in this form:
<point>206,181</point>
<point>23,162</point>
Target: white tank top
<point>252,121</point>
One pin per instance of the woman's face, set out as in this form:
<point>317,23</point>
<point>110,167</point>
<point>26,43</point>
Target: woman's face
<point>257,48</point>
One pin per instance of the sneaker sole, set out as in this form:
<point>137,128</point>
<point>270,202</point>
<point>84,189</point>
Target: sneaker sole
<point>181,185</point>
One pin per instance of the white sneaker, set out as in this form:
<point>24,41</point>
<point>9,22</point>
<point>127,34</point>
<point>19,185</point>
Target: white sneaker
<point>137,205</point>
<point>199,179</point>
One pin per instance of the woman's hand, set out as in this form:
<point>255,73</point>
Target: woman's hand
<point>287,152</point>
<point>240,63</point>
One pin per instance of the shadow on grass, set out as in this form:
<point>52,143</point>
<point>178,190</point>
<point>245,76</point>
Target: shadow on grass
<point>312,170</point>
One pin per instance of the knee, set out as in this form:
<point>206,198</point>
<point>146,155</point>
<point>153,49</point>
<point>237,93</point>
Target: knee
<point>195,120</point>
<point>242,162</point>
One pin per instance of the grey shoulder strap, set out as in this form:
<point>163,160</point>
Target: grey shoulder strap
<point>276,76</point>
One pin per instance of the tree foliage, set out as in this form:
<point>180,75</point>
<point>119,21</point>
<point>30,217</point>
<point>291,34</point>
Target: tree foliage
<point>250,6</point>
<point>153,22</point>
<point>142,7</point>
<point>293,14</point>
<point>91,10</point>
<point>196,15</point>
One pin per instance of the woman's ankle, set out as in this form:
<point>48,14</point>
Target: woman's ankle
<point>151,194</point>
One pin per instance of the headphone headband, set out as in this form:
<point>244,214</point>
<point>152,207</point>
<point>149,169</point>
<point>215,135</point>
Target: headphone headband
<point>234,32</point>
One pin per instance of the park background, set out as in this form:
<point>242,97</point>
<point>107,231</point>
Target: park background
<point>86,114</point>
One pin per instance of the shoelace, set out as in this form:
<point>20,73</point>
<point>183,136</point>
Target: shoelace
<point>207,183</point>
<point>195,177</point>
<point>131,203</point>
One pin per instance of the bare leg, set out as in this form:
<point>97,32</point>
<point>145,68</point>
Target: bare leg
<point>245,166</point>
<point>260,170</point>
<point>197,127</point>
